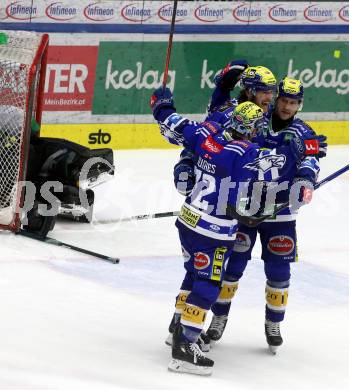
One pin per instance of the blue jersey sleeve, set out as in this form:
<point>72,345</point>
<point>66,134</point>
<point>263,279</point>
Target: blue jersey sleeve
<point>309,168</point>
<point>183,132</point>
<point>218,98</point>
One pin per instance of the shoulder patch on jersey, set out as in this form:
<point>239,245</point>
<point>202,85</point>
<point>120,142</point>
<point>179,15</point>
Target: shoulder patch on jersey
<point>266,163</point>
<point>210,145</point>
<point>243,144</point>
<point>213,127</point>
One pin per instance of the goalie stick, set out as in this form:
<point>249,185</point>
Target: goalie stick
<point>53,241</point>
<point>254,221</point>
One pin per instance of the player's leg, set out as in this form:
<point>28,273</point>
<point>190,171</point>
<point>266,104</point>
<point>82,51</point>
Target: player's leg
<point>206,261</point>
<point>237,263</point>
<point>278,250</point>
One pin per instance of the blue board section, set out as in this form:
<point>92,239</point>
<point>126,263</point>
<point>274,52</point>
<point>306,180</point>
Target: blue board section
<point>179,29</point>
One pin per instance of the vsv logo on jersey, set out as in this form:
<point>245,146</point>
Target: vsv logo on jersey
<point>266,163</point>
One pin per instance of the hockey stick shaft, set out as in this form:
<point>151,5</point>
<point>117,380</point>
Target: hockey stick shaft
<point>169,45</point>
<point>139,217</point>
<point>327,179</point>
<point>53,241</point>
<point>252,222</point>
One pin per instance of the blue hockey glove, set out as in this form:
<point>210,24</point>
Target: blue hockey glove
<point>230,75</point>
<point>184,176</point>
<point>161,103</point>
<point>312,146</point>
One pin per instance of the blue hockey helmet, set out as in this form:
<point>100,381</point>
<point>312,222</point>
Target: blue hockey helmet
<point>291,88</point>
<point>258,78</point>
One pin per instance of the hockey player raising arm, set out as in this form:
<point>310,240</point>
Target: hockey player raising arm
<point>278,234</point>
<point>259,86</point>
<point>280,126</point>
<point>223,160</point>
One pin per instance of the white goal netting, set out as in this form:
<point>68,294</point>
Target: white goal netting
<point>21,56</point>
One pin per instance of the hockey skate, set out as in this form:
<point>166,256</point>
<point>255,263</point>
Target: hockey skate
<point>203,341</point>
<point>216,328</point>
<point>187,357</point>
<point>273,335</point>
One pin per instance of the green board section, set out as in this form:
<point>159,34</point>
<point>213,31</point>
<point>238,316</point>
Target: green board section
<point>128,72</point>
<point>3,39</point>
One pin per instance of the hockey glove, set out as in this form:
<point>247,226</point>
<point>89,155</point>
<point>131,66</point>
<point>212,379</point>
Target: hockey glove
<point>161,103</point>
<point>184,176</point>
<point>230,75</point>
<point>313,146</point>
<point>306,189</point>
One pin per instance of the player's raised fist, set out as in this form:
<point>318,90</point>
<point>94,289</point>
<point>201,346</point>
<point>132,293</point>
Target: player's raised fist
<point>161,98</point>
<point>230,75</point>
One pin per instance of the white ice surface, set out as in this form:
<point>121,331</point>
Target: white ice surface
<point>69,321</point>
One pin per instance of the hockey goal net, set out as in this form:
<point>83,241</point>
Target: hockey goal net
<point>23,58</point>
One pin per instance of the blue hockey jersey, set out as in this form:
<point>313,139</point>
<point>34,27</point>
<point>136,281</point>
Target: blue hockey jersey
<point>224,168</point>
<point>308,169</point>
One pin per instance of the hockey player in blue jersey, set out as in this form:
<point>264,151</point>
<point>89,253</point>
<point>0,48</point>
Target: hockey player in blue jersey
<point>277,234</point>
<point>259,86</point>
<point>207,235</point>
<point>280,126</point>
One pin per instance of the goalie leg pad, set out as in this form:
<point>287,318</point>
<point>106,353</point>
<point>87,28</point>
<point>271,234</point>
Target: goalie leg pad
<point>64,161</point>
<point>37,223</point>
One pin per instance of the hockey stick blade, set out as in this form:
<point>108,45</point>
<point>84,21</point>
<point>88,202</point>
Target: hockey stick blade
<point>138,218</point>
<point>53,241</point>
<point>254,221</point>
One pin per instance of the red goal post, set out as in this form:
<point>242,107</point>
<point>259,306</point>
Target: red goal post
<point>23,58</point>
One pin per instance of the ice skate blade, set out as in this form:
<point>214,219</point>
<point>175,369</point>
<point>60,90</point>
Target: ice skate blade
<point>168,341</point>
<point>273,349</point>
<point>188,368</point>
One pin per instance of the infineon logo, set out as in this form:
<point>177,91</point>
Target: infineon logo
<point>135,13</point>
<point>317,14</point>
<point>165,13</point>
<point>246,13</point>
<point>208,14</point>
<point>21,10</point>
<point>282,14</point>
<point>99,12</point>
<point>59,11</point>
<point>343,13</point>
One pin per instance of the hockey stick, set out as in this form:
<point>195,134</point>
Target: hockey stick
<point>139,217</point>
<point>169,45</point>
<point>254,221</point>
<point>53,241</point>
